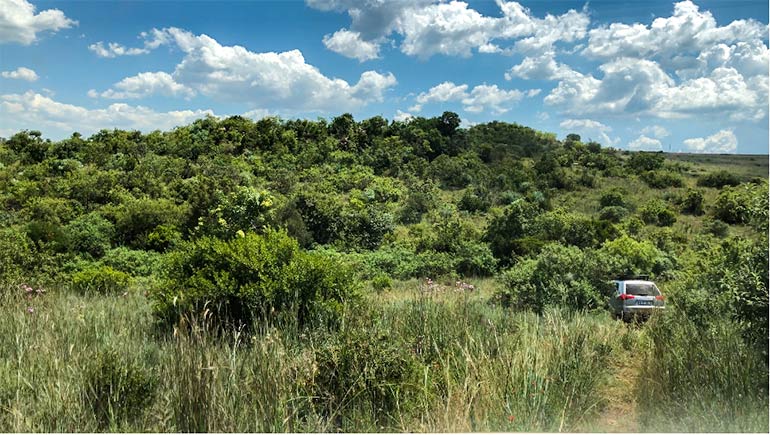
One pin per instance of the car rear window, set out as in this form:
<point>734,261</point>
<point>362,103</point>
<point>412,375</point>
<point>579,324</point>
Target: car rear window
<point>642,290</point>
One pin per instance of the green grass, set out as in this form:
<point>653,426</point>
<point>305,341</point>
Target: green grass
<point>460,364</point>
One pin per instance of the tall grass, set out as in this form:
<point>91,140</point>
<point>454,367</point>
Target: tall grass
<point>701,379</point>
<point>419,361</point>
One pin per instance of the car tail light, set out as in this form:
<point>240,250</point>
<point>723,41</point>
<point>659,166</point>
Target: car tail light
<point>660,298</point>
<point>625,296</point>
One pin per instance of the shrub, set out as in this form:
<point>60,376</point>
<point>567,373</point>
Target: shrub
<point>381,282</point>
<point>656,212</point>
<point>101,280</point>
<point>662,179</point>
<point>504,232</point>
<point>692,202</point>
<point>613,198</point>
<point>613,213</point>
<point>627,256</point>
<point>248,278</point>
<point>117,390</point>
<point>89,234</point>
<point>475,199</point>
<point>558,276</point>
<point>132,262</point>
<point>645,161</point>
<point>718,179</point>
<point>715,227</point>
<point>743,204</point>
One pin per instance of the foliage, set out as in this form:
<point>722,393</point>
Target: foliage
<point>662,179</point>
<point>743,204</point>
<point>90,234</point>
<point>250,277</point>
<point>645,161</point>
<point>118,389</point>
<point>656,212</point>
<point>718,179</point>
<point>101,280</point>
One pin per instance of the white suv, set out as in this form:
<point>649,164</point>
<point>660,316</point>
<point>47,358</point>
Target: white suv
<point>635,298</point>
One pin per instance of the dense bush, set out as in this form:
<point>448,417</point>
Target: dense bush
<point>662,179</point>
<point>90,234</point>
<point>560,275</point>
<point>692,202</point>
<point>250,277</point>
<point>645,161</point>
<point>656,212</point>
<point>718,179</point>
<point>613,213</point>
<point>743,204</point>
<point>101,280</point>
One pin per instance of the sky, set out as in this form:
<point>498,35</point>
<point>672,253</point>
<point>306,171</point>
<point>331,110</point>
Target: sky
<point>689,76</point>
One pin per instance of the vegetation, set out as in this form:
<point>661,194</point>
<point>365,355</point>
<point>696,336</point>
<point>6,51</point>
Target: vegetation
<point>238,276</point>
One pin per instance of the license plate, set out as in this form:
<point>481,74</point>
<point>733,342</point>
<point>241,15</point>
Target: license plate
<point>644,302</point>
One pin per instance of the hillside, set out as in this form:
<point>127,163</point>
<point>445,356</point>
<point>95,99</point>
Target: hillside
<point>295,275</point>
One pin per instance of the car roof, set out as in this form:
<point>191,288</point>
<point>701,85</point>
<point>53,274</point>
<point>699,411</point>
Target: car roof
<point>634,281</point>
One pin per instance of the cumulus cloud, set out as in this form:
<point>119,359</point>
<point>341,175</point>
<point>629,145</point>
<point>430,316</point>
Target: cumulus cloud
<point>644,143</point>
<point>453,28</point>
<point>19,22</point>
<point>543,67</point>
<point>479,99</point>
<point>20,73</point>
<point>350,44</point>
<point>35,111</point>
<point>591,129</point>
<point>722,142</point>
<point>152,40</point>
<point>640,86</point>
<point>687,31</point>
<point>145,84</point>
<point>283,81</point>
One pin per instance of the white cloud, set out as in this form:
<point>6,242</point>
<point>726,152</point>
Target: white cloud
<point>20,73</point>
<point>688,30</point>
<point>724,141</point>
<point>656,131</point>
<point>591,129</point>
<point>152,40</point>
<point>19,22</point>
<point>639,86</point>
<point>114,49</point>
<point>283,81</point>
<point>402,116</point>
<point>453,28</point>
<point>490,98</point>
<point>644,143</point>
<point>350,44</point>
<point>443,92</point>
<point>146,84</point>
<point>543,67</point>
<point>35,111</point>
<point>481,98</point>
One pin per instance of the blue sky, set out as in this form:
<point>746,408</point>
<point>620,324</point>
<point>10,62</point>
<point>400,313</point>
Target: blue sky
<point>680,76</point>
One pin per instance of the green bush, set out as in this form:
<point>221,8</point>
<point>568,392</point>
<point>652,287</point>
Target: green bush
<point>101,280</point>
<point>613,213</point>
<point>645,161</point>
<point>133,262</point>
<point>117,390</point>
<point>89,234</point>
<point>559,276</point>
<point>656,212</point>
<point>248,278</point>
<point>662,179</point>
<point>692,202</point>
<point>715,227</point>
<point>743,204</point>
<point>718,179</point>
<point>627,256</point>
<point>613,198</point>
